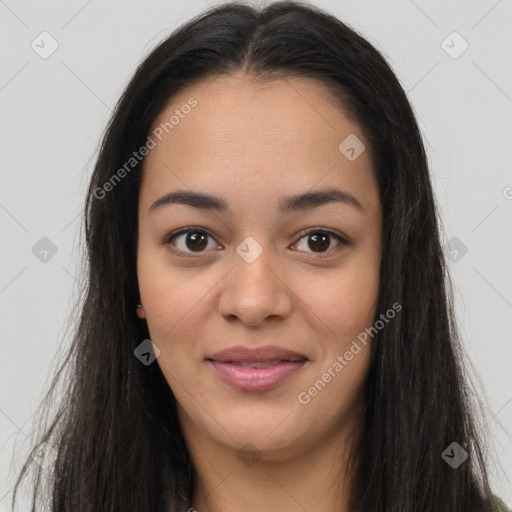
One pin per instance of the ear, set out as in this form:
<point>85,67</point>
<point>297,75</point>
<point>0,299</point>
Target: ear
<point>140,311</point>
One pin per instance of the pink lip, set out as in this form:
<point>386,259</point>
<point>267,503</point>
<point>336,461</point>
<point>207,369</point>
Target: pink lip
<point>267,353</point>
<point>256,379</point>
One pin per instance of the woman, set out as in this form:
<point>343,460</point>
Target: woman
<point>267,323</point>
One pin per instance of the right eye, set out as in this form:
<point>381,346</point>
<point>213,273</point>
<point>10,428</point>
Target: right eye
<point>195,241</point>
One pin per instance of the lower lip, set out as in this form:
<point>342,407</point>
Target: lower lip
<point>256,379</point>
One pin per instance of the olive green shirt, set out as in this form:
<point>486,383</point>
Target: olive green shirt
<point>499,506</point>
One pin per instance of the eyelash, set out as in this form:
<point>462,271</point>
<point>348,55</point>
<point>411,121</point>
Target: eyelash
<point>167,240</point>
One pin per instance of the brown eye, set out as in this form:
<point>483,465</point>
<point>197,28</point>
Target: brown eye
<point>189,240</point>
<point>319,241</point>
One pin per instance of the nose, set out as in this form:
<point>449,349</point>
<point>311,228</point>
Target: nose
<point>254,291</point>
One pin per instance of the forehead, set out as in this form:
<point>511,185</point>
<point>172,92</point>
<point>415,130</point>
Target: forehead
<point>254,138</point>
<point>241,106</point>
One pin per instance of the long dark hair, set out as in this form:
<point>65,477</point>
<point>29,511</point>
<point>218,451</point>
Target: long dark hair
<point>116,447</point>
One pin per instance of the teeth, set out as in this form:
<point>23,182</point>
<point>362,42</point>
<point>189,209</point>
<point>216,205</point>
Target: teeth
<point>256,364</point>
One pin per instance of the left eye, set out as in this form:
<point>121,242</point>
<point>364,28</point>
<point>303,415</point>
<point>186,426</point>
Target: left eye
<point>196,240</point>
<point>319,238</point>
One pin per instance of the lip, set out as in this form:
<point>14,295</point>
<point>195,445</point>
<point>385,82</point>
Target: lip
<point>267,353</point>
<point>256,379</point>
<point>227,366</point>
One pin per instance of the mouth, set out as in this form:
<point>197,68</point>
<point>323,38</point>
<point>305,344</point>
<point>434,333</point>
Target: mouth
<point>256,364</point>
<point>256,370</point>
<point>267,354</point>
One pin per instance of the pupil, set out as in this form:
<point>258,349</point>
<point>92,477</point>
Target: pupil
<point>318,240</point>
<point>197,240</point>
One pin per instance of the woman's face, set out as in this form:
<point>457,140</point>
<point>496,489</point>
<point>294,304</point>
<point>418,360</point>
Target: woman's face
<point>256,274</point>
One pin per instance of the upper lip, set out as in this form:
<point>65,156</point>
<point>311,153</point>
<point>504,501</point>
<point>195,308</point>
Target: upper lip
<point>267,353</point>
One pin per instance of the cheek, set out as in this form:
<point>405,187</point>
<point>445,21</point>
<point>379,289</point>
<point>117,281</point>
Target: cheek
<point>172,306</point>
<point>357,301</point>
<point>345,302</point>
<point>160,285</point>
<point>166,296</point>
<point>177,303</point>
<point>357,295</point>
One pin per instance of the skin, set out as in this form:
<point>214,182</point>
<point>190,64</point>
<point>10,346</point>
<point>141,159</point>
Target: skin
<point>250,144</point>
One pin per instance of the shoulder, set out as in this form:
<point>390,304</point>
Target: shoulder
<point>498,505</point>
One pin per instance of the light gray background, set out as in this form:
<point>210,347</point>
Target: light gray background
<point>54,110</point>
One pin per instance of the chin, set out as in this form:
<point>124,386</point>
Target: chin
<point>257,444</point>
<point>275,434</point>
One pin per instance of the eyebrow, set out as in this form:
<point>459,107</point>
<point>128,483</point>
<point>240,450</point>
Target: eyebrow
<point>287,204</point>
